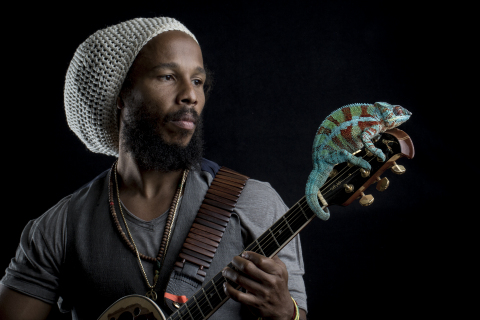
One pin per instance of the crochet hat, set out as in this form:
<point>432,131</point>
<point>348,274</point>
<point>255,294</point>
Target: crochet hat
<point>96,74</point>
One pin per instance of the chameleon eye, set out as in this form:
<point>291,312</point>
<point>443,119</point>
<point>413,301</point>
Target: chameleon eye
<point>398,110</point>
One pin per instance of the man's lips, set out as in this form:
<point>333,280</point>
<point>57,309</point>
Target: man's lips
<point>185,121</point>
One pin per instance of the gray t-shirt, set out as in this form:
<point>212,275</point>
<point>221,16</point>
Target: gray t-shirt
<point>36,268</point>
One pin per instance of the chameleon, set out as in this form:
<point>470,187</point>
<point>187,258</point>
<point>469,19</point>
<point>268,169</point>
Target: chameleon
<point>343,132</point>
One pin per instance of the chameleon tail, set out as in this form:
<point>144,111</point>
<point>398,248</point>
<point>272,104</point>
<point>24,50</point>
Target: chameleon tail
<point>315,180</point>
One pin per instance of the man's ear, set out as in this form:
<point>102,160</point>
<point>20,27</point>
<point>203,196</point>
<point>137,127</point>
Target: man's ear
<point>120,103</point>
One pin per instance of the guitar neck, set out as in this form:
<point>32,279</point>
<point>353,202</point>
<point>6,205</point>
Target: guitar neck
<point>211,297</point>
<point>285,229</point>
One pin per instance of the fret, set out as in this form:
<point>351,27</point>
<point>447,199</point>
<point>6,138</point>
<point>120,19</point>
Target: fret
<point>259,247</point>
<point>269,245</point>
<point>198,306</point>
<point>178,314</point>
<point>215,287</point>
<point>212,295</point>
<point>250,247</point>
<point>282,232</point>
<point>288,225</point>
<point>297,222</point>
<point>273,236</point>
<point>219,280</point>
<point>300,206</point>
<point>206,307</point>
<point>188,310</point>
<point>173,316</point>
<point>208,300</point>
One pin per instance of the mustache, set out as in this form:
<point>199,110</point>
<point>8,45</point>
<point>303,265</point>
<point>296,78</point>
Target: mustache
<point>184,113</point>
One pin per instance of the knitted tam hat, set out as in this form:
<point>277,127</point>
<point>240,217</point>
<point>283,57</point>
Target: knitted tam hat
<point>96,74</point>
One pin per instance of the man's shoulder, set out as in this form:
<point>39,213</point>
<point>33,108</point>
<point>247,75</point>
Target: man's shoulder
<point>253,187</point>
<point>261,191</point>
<point>209,166</point>
<point>93,189</point>
<point>99,179</point>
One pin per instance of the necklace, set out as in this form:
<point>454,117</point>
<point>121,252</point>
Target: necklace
<point>166,233</point>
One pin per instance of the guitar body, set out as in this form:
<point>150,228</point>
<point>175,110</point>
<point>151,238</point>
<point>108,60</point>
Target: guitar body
<point>133,307</point>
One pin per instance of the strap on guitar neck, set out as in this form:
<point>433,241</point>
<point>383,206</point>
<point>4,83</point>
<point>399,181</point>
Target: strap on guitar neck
<point>204,236</point>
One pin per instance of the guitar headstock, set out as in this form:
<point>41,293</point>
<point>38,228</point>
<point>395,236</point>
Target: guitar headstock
<point>347,183</point>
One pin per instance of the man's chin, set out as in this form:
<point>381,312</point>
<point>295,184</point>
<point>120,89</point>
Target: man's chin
<point>167,155</point>
<point>181,141</point>
<point>162,148</point>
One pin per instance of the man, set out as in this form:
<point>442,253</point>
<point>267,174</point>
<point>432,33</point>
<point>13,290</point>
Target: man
<point>137,90</point>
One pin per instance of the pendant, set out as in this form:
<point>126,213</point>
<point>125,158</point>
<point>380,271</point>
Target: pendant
<point>152,295</point>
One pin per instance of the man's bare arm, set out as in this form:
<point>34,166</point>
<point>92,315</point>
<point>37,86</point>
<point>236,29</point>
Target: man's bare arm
<point>17,306</point>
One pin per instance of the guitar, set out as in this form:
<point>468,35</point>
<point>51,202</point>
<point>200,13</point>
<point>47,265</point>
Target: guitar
<point>345,184</point>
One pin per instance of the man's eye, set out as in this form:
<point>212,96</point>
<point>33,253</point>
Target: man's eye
<point>197,82</point>
<point>167,77</point>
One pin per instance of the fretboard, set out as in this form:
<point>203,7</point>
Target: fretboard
<point>208,299</point>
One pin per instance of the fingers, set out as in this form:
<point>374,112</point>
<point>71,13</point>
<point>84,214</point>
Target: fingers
<point>242,279</point>
<point>242,297</point>
<point>279,262</point>
<point>256,273</point>
<point>265,281</point>
<point>253,263</point>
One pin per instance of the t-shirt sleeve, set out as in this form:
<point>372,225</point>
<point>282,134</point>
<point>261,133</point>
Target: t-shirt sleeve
<point>35,269</point>
<point>259,208</point>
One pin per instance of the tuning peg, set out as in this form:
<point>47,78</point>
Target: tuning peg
<point>348,188</point>
<point>382,184</point>
<point>364,173</point>
<point>333,173</point>
<point>397,169</point>
<point>366,200</point>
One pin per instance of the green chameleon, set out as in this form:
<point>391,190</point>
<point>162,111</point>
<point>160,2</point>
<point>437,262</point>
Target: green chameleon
<point>343,132</point>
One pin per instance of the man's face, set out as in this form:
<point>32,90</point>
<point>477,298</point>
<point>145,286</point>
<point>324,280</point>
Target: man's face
<point>168,76</point>
<point>162,99</point>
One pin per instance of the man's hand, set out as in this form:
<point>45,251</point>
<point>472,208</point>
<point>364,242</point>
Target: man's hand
<point>266,282</point>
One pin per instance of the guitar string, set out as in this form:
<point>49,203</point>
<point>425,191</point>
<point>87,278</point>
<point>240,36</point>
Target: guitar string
<point>328,183</point>
<point>293,215</point>
<point>294,212</point>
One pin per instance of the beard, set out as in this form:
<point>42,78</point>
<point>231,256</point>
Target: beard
<point>141,138</point>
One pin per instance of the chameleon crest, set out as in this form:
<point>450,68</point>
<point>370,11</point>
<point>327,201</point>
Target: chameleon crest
<point>343,132</point>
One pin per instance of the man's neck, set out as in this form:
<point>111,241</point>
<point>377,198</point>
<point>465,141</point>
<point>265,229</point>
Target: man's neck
<point>146,193</point>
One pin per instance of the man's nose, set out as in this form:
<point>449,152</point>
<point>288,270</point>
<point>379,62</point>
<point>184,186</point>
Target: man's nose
<point>187,94</point>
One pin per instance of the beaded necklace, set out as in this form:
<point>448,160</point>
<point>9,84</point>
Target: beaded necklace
<point>166,232</point>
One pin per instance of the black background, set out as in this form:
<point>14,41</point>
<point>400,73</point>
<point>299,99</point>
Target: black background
<point>280,69</point>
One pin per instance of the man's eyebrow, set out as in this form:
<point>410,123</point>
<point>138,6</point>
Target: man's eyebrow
<point>173,65</point>
<point>201,70</point>
<point>166,65</point>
